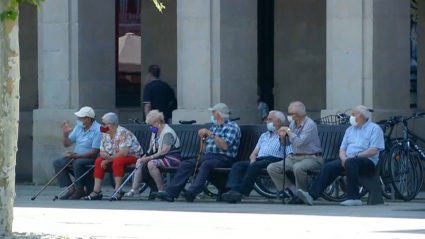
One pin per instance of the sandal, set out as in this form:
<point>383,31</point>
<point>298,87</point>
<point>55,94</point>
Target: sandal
<point>99,196</point>
<point>117,197</point>
<point>131,193</point>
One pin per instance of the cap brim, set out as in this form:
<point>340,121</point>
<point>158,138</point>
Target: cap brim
<point>79,114</point>
<point>211,109</point>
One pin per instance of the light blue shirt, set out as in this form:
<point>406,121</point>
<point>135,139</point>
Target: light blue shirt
<point>86,141</point>
<point>269,146</point>
<point>357,140</point>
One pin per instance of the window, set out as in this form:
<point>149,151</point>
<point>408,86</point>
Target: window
<point>128,53</point>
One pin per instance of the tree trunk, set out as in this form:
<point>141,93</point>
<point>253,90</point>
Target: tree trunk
<point>9,116</point>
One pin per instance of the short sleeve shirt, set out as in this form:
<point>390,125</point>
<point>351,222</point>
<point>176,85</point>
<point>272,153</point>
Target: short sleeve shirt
<point>269,146</point>
<point>85,141</point>
<point>123,138</point>
<point>357,140</point>
<point>231,134</point>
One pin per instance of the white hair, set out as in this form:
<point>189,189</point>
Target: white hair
<point>280,115</point>
<point>363,110</point>
<point>224,116</point>
<point>155,115</point>
<point>298,107</point>
<point>111,118</point>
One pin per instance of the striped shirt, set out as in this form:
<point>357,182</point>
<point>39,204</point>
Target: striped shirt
<point>231,134</point>
<point>305,138</point>
<point>269,146</point>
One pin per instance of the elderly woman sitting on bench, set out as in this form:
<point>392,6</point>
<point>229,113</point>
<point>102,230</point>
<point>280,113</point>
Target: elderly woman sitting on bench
<point>119,147</point>
<point>164,150</point>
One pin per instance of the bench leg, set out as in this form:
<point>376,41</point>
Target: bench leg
<point>373,185</point>
<point>150,198</point>
<point>219,193</point>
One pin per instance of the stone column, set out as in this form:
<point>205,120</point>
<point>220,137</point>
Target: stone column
<point>216,58</point>
<point>368,56</point>
<point>76,52</point>
<point>300,54</point>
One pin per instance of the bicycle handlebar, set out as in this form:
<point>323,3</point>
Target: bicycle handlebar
<point>187,122</point>
<point>393,120</point>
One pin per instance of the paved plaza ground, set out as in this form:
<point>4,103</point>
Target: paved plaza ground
<point>256,218</point>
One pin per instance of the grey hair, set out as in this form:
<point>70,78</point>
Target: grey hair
<point>111,118</point>
<point>280,115</point>
<point>363,110</point>
<point>224,116</point>
<point>299,107</point>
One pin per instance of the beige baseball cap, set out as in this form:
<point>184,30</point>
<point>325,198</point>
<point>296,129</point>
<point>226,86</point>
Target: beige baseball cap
<point>220,107</point>
<point>85,112</point>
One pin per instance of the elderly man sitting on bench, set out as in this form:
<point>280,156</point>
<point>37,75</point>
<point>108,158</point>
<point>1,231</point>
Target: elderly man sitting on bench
<point>358,155</point>
<point>268,150</point>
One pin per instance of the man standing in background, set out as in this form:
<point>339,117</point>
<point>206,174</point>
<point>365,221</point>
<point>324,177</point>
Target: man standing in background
<point>158,95</point>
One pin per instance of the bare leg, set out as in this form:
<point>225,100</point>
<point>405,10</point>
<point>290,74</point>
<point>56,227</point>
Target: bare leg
<point>156,175</point>
<point>137,179</point>
<point>118,182</point>
<point>97,186</point>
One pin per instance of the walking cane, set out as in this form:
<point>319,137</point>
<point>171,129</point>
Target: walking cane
<point>284,168</point>
<point>78,179</point>
<point>51,180</point>
<point>123,183</point>
<point>201,150</point>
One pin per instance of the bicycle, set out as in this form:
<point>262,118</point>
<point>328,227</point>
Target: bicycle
<point>403,159</point>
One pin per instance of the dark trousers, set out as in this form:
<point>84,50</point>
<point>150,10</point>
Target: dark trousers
<point>243,174</point>
<point>79,168</point>
<point>186,169</point>
<point>331,170</point>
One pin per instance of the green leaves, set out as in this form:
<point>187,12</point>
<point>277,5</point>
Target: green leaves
<point>11,13</point>
<point>159,5</point>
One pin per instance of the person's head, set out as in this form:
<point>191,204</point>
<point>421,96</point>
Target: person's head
<point>109,122</point>
<point>275,120</point>
<point>296,112</point>
<point>155,120</point>
<point>85,117</point>
<point>359,116</point>
<point>154,72</point>
<point>220,112</point>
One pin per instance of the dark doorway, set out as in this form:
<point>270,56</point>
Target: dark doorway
<point>265,14</point>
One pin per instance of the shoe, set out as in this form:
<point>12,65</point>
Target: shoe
<point>296,200</point>
<point>231,197</point>
<point>305,196</point>
<point>164,196</point>
<point>287,193</point>
<point>67,195</point>
<point>188,196</point>
<point>98,196</point>
<point>78,194</point>
<point>117,197</point>
<point>131,193</point>
<point>352,202</point>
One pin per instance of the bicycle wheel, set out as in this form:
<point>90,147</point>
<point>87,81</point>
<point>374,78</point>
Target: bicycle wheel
<point>265,187</point>
<point>337,191</point>
<point>403,174</point>
<point>385,174</point>
<point>210,190</point>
